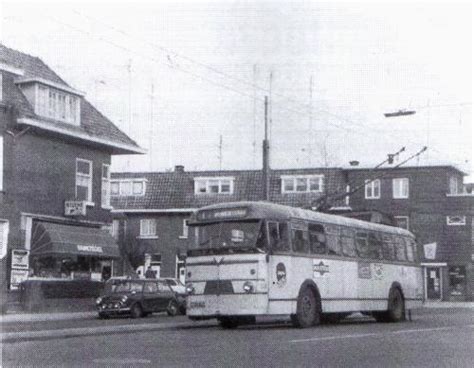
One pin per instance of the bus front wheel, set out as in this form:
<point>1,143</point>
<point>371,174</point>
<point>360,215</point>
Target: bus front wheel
<point>308,311</point>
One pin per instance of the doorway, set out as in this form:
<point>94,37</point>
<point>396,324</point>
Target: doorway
<point>433,283</point>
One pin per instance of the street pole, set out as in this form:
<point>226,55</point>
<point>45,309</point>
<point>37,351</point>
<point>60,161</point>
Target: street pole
<point>266,157</point>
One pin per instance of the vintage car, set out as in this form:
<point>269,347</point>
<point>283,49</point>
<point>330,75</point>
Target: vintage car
<point>138,298</point>
<point>176,285</point>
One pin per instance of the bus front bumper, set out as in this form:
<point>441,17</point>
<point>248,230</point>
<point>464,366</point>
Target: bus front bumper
<point>226,305</point>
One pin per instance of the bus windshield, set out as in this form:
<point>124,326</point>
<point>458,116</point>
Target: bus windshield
<point>235,234</point>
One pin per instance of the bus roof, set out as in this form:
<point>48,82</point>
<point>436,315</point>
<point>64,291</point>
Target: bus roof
<point>261,209</point>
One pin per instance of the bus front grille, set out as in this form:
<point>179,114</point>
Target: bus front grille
<point>218,287</point>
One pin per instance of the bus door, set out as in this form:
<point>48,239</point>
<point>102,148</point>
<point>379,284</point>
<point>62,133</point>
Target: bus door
<point>280,261</point>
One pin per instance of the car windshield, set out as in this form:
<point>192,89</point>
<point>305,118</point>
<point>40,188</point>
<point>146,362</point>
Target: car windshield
<point>233,234</point>
<point>125,286</point>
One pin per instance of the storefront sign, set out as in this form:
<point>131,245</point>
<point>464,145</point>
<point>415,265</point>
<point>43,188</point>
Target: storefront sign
<point>17,277</point>
<point>430,250</point>
<point>20,259</point>
<point>90,248</point>
<point>74,208</point>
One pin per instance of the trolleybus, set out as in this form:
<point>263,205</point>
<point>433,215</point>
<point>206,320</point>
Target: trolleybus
<point>260,259</point>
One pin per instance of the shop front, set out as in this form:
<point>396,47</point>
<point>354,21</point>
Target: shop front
<point>67,261</point>
<point>434,280</point>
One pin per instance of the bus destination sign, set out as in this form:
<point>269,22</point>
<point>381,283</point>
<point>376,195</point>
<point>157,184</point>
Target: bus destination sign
<point>222,214</point>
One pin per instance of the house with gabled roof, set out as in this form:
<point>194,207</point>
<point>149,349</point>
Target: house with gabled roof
<point>55,154</point>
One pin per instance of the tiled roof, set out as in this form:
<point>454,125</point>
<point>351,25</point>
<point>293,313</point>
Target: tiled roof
<point>93,123</point>
<point>175,190</point>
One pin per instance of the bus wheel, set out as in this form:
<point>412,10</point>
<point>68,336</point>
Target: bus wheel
<point>228,322</point>
<point>308,311</point>
<point>396,306</point>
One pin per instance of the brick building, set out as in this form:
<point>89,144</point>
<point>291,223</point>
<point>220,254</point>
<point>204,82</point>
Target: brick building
<point>151,210</point>
<point>433,203</point>
<point>55,152</point>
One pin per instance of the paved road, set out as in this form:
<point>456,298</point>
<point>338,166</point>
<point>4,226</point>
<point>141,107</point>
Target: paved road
<point>434,338</point>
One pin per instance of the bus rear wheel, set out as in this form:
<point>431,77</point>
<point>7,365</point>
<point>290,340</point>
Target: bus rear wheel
<point>396,308</point>
<point>308,310</point>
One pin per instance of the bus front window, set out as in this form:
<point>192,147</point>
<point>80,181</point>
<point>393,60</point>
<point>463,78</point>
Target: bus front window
<point>232,234</point>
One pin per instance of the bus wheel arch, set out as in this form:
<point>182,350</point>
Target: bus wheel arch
<point>308,308</point>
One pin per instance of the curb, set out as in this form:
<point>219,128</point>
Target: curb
<point>11,337</point>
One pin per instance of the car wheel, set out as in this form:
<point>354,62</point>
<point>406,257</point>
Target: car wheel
<point>103,315</point>
<point>173,308</point>
<point>136,311</point>
<point>308,312</point>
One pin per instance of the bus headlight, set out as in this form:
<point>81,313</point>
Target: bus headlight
<point>248,287</point>
<point>190,289</point>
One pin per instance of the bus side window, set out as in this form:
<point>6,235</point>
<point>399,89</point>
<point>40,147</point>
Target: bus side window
<point>332,240</point>
<point>300,241</point>
<point>388,248</point>
<point>261,242</point>
<point>375,245</point>
<point>317,239</point>
<point>410,249</point>
<point>400,248</point>
<point>347,242</point>
<point>278,233</point>
<point>362,244</point>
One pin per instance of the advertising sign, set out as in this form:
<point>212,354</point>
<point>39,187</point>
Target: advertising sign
<point>320,268</point>
<point>20,259</point>
<point>364,270</point>
<point>74,208</point>
<point>430,250</point>
<point>16,277</point>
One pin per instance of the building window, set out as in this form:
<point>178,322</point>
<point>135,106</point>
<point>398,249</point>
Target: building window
<point>128,187</point>
<point>456,220</point>
<point>402,222</point>
<point>185,233</point>
<point>1,87</point>
<point>84,180</point>
<point>213,185</point>
<point>1,164</point>
<point>54,104</point>
<point>400,188</point>
<point>455,186</point>
<point>372,189</point>
<point>148,228</point>
<point>302,183</point>
<point>106,186</point>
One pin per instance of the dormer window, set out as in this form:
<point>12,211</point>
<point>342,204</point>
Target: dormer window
<point>51,100</point>
<point>302,183</point>
<point>214,185</point>
<point>128,187</point>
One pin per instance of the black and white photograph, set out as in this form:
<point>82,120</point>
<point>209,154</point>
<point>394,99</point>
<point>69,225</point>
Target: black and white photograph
<point>236,183</point>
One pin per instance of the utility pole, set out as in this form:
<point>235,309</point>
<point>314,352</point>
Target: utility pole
<point>152,100</point>
<point>220,153</point>
<point>266,157</point>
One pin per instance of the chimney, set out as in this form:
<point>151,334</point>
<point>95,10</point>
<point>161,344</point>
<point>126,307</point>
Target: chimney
<point>179,169</point>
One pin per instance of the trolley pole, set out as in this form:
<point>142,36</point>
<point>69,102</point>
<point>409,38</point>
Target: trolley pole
<point>266,157</point>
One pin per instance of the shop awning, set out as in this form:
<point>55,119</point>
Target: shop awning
<point>60,239</point>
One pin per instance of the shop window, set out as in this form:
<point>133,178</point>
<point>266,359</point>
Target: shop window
<point>148,228</point>
<point>84,180</point>
<point>400,188</point>
<point>457,281</point>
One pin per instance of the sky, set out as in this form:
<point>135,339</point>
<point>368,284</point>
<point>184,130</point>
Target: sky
<point>187,80</point>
